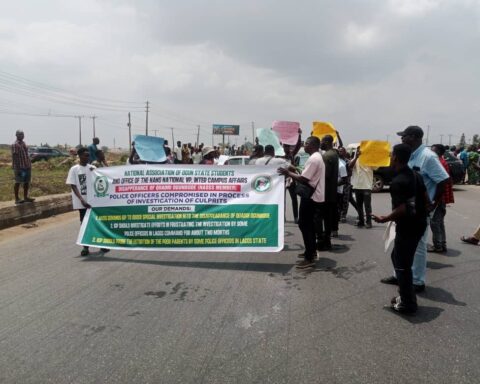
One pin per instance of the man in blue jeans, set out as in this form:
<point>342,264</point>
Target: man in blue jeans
<point>426,162</point>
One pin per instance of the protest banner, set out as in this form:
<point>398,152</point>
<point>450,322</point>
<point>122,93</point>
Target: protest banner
<point>287,131</point>
<point>150,148</point>
<point>185,208</point>
<point>268,137</point>
<point>375,153</point>
<point>321,128</point>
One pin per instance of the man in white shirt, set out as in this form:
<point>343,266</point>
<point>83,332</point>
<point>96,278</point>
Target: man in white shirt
<point>310,214</point>
<point>77,178</point>
<point>362,181</point>
<point>269,157</point>
<point>178,152</point>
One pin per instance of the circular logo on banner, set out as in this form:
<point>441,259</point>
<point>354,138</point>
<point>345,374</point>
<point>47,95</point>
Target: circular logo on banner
<point>262,183</point>
<point>101,186</point>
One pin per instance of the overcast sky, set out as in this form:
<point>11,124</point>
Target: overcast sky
<point>369,67</point>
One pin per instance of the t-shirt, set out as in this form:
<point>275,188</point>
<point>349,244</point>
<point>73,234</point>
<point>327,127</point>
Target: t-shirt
<point>342,172</point>
<point>314,171</point>
<point>79,175</point>
<point>405,186</point>
<point>330,158</point>
<point>269,160</point>
<point>196,157</point>
<point>362,176</point>
<point>92,150</point>
<point>426,162</point>
<point>178,153</point>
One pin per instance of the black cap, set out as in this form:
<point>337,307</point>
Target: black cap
<point>412,130</point>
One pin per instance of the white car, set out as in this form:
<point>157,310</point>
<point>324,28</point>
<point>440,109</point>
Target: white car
<point>237,160</point>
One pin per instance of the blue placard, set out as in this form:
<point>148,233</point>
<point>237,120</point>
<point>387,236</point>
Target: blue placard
<point>150,148</point>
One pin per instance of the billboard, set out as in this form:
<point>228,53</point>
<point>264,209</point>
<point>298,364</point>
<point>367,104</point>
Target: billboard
<point>226,129</point>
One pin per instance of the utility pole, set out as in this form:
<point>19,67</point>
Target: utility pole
<point>428,134</point>
<point>146,118</point>
<point>450,139</point>
<point>198,136</point>
<point>441,138</point>
<point>79,129</point>
<point>93,121</point>
<point>129,124</point>
<point>253,132</point>
<point>173,140</point>
<point>155,131</point>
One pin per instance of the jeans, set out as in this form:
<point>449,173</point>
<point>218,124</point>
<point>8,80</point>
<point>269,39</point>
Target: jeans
<point>437,225</point>
<point>309,217</point>
<point>419,267</point>
<point>402,259</point>
<point>364,198</point>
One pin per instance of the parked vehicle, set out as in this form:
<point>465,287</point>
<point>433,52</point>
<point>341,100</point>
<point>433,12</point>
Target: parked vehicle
<point>237,160</point>
<point>45,153</point>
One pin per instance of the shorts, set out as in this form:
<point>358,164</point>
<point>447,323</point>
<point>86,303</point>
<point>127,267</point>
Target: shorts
<point>23,176</point>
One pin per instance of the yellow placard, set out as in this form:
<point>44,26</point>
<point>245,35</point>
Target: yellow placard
<point>321,128</point>
<point>375,153</point>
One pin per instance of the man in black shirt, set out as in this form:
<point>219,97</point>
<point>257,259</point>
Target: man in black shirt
<point>330,158</point>
<point>409,211</point>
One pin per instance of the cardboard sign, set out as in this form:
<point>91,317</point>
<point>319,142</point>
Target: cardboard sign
<point>321,128</point>
<point>268,137</point>
<point>287,131</point>
<point>375,153</point>
<point>150,148</point>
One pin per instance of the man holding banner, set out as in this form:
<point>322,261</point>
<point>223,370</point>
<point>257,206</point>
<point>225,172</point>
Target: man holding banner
<point>310,214</point>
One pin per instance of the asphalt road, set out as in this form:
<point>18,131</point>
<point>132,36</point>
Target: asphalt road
<point>155,317</point>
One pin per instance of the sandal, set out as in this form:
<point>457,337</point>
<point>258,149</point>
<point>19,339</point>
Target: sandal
<point>469,240</point>
<point>84,252</point>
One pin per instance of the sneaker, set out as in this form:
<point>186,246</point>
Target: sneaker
<point>392,280</point>
<point>104,250</point>
<point>343,220</point>
<point>359,224</point>
<point>324,247</point>
<point>368,225</point>
<point>305,264</point>
<point>398,306</point>
<point>29,200</point>
<point>334,234</point>
<point>431,248</point>
<point>85,251</point>
<point>17,202</point>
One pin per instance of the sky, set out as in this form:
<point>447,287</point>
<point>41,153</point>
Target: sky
<point>370,67</point>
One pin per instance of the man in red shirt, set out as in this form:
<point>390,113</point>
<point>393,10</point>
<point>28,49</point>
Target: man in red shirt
<point>437,222</point>
<point>22,168</point>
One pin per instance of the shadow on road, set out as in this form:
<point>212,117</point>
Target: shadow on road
<point>424,314</point>
<point>435,265</point>
<point>440,295</point>
<point>235,266</point>
<point>452,253</point>
<point>345,237</point>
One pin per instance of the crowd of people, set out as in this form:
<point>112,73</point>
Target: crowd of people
<point>329,181</point>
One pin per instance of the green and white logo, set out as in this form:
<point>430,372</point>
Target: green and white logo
<point>101,186</point>
<point>262,183</point>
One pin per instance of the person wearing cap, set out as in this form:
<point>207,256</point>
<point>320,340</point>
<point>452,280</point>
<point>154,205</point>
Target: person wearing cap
<point>426,162</point>
<point>22,168</point>
<point>208,156</point>
<point>92,150</point>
